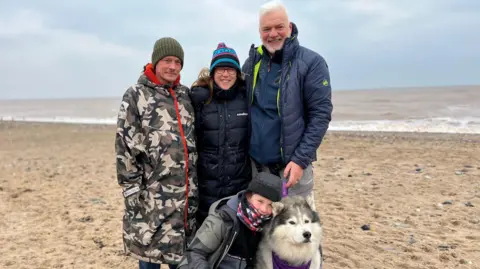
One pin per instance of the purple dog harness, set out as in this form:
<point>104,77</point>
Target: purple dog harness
<point>281,264</point>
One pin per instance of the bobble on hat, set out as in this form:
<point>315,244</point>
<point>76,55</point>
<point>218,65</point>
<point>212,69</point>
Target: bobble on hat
<point>224,56</point>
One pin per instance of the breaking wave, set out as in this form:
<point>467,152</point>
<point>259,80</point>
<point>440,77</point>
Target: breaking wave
<point>430,125</point>
<point>470,125</point>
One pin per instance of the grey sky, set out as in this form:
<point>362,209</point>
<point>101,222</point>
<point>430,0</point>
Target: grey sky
<point>86,48</point>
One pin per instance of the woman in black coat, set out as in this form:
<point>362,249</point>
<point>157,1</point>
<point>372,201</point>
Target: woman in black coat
<point>221,116</point>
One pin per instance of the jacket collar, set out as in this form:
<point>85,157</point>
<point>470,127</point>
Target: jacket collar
<point>287,52</point>
<point>231,202</point>
<point>291,44</point>
<point>150,73</point>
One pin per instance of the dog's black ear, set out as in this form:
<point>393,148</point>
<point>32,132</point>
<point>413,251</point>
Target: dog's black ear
<point>315,216</point>
<point>277,208</point>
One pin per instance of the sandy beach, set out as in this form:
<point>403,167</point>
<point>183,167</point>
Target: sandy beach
<point>419,194</point>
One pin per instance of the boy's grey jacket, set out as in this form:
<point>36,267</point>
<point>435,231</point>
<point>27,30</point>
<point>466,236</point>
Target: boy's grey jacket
<point>214,238</point>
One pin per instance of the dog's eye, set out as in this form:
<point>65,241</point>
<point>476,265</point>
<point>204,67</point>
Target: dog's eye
<point>307,221</point>
<point>292,222</point>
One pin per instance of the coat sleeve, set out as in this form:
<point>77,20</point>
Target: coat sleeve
<point>129,144</point>
<point>198,96</point>
<point>317,95</point>
<point>207,240</point>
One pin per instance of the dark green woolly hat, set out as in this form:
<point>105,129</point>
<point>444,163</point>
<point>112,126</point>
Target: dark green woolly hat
<point>164,47</point>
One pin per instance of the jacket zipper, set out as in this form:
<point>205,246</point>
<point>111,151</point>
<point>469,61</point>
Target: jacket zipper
<point>227,248</point>
<point>281,120</point>
<point>225,142</point>
<point>279,107</point>
<point>185,153</point>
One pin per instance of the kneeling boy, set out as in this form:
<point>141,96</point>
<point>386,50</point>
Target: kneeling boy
<point>229,236</point>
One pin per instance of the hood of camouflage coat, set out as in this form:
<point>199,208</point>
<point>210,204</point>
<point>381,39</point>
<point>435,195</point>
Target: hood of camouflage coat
<point>149,79</point>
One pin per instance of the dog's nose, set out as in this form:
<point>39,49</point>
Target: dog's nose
<point>307,235</point>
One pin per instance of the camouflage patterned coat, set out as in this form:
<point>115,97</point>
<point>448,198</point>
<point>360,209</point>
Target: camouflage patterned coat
<point>156,157</point>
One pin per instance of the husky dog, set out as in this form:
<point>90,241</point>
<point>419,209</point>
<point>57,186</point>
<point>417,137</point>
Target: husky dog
<point>292,239</point>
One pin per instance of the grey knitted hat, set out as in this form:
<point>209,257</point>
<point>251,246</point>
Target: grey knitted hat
<point>164,47</point>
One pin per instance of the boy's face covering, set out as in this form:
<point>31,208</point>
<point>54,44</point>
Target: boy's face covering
<point>250,215</point>
<point>262,204</point>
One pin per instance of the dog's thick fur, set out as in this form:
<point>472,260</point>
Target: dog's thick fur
<point>294,234</point>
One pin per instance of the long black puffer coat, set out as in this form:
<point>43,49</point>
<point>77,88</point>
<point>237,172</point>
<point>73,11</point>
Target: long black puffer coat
<point>222,141</point>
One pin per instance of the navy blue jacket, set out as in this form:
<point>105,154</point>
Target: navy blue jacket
<point>304,101</point>
<point>221,128</point>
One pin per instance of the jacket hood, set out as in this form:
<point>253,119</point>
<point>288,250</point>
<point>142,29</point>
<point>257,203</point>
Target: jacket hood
<point>291,44</point>
<point>230,202</point>
<point>289,48</point>
<point>235,200</point>
<point>294,30</point>
<point>149,79</point>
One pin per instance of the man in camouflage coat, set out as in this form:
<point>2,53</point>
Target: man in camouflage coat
<point>156,156</point>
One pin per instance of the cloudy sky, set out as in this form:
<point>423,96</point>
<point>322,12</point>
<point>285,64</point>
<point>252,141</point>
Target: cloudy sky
<point>87,48</point>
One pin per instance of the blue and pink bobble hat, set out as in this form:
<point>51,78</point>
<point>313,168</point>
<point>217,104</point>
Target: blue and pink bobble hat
<point>224,56</point>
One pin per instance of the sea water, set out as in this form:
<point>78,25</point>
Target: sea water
<point>435,110</point>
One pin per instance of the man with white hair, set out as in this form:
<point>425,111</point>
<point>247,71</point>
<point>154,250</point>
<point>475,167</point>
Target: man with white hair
<point>290,102</point>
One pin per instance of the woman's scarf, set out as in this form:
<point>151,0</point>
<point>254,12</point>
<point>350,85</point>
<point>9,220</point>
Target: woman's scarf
<point>222,94</point>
